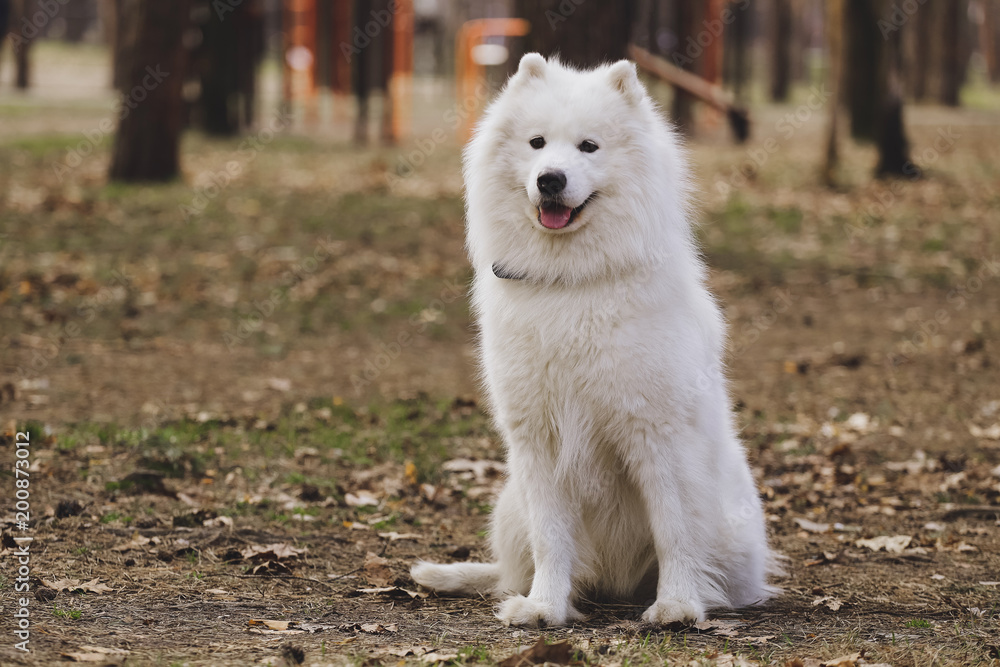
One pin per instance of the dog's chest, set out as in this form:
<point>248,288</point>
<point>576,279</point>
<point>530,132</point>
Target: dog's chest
<point>568,351</point>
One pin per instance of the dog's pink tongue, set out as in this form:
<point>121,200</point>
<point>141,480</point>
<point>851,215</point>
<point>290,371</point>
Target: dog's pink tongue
<point>555,217</point>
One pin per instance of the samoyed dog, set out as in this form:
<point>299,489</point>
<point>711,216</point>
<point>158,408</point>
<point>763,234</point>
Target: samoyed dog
<point>602,362</point>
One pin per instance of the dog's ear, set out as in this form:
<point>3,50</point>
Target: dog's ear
<point>625,80</point>
<point>532,66</point>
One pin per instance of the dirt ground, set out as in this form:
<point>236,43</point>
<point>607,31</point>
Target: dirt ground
<point>228,424</point>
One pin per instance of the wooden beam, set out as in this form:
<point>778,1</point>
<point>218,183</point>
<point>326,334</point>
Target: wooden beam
<point>706,91</point>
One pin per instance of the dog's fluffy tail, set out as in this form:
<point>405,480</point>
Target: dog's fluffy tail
<point>457,578</point>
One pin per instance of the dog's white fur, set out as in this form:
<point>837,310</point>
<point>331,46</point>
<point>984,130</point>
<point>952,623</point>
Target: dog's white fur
<point>602,364</point>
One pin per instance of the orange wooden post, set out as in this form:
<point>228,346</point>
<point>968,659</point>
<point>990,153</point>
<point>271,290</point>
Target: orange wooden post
<point>712,62</point>
<point>468,72</point>
<point>300,55</point>
<point>401,82</point>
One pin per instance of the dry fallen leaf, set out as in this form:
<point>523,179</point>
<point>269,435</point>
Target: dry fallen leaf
<point>269,552</point>
<point>362,498</point>
<point>481,470</point>
<point>560,653</point>
<point>392,536</point>
<point>391,592</point>
<point>74,586</point>
<point>439,656</point>
<point>730,660</point>
<point>812,526</point>
<point>410,473</point>
<point>404,651</point>
<point>831,603</point>
<point>271,625</point>
<point>96,654</point>
<point>136,542</point>
<point>851,660</point>
<point>720,628</point>
<point>989,433</point>
<point>378,628</point>
<point>267,627</point>
<point>376,570</point>
<point>894,545</point>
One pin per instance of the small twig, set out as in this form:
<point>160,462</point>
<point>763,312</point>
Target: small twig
<point>985,511</point>
<point>259,577</point>
<point>346,574</point>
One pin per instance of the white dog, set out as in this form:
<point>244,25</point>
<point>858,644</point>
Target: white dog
<point>602,355</point>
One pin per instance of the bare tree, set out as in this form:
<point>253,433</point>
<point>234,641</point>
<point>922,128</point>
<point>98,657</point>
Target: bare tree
<point>686,16</point>
<point>226,63</point>
<point>835,52</point>
<point>893,146</point>
<point>781,47</point>
<point>23,36</point>
<point>735,54</point>
<point>865,66</point>
<point>953,62</point>
<point>583,34</point>
<point>152,58</point>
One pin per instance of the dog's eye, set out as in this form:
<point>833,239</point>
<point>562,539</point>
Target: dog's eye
<point>587,146</point>
<point>537,142</point>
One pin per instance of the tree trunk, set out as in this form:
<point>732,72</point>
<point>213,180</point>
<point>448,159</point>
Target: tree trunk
<point>991,38</point>
<point>686,56</point>
<point>4,23</point>
<point>362,73</point>
<point>385,77</point>
<point>865,76</point>
<point>583,34</point>
<point>653,28</point>
<point>23,33</point>
<point>227,61</point>
<point>147,142</point>
<point>835,53</point>
<point>923,51</point>
<point>736,58</point>
<point>893,147</point>
<point>952,62</point>
<point>781,61</point>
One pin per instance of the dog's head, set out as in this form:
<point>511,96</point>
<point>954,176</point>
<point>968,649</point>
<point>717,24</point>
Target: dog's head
<point>567,173</point>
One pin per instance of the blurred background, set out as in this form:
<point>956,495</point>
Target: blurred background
<point>230,207</point>
<point>233,311</point>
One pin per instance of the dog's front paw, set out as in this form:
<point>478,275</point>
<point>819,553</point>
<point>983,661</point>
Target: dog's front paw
<point>664,612</point>
<point>521,610</point>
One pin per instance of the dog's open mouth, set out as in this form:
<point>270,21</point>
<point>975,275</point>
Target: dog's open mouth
<point>553,215</point>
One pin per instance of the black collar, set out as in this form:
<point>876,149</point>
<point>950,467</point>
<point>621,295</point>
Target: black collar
<point>504,274</point>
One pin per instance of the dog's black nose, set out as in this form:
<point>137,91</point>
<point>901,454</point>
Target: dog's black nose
<point>552,182</point>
